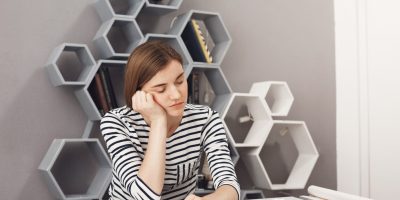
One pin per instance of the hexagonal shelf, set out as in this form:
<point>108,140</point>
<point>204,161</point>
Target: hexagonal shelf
<point>251,194</point>
<point>69,65</point>
<point>176,43</point>
<point>117,37</point>
<point>92,130</point>
<point>256,160</point>
<point>254,110</point>
<point>277,94</point>
<point>107,9</point>
<point>162,7</point>
<point>76,169</point>
<point>89,96</point>
<point>218,83</point>
<point>215,27</point>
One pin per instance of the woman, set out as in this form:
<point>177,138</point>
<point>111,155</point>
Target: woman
<point>156,140</point>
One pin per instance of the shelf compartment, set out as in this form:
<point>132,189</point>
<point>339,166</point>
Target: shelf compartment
<point>256,161</point>
<point>76,169</point>
<point>219,85</point>
<point>108,9</point>
<point>90,102</point>
<point>257,120</point>
<point>176,43</point>
<point>277,94</point>
<point>162,7</point>
<point>70,64</point>
<point>117,37</point>
<point>215,26</point>
<point>92,130</point>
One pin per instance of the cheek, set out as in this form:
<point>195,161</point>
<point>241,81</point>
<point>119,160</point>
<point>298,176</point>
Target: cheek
<point>159,99</point>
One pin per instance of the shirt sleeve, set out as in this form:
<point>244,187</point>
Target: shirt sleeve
<point>125,156</point>
<point>217,152</point>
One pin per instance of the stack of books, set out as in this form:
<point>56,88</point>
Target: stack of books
<point>102,91</point>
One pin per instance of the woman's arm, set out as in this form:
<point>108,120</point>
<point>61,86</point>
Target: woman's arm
<point>225,192</point>
<point>152,170</point>
<point>215,145</point>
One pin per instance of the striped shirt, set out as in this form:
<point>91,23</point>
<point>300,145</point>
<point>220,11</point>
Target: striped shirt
<point>201,129</point>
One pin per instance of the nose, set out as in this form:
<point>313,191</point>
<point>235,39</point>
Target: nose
<point>174,93</point>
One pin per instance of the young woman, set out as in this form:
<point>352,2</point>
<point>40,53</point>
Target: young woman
<point>156,140</point>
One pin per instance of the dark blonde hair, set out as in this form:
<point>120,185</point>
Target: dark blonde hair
<point>145,62</point>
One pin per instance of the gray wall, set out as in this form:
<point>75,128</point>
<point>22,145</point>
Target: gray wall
<point>283,40</point>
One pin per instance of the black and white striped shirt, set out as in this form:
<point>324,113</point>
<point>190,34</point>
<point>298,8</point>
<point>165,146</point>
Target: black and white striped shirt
<point>201,129</point>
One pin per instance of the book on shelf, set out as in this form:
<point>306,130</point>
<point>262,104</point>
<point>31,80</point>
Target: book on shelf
<point>107,86</point>
<point>195,86</point>
<point>192,43</point>
<point>99,95</point>
<point>205,39</point>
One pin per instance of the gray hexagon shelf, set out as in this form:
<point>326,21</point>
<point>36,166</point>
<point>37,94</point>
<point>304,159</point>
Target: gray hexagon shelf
<point>176,43</point>
<point>218,83</point>
<point>76,169</point>
<point>256,112</point>
<point>90,98</point>
<point>70,64</point>
<point>92,130</point>
<point>215,27</point>
<point>117,37</point>
<point>108,9</point>
<point>162,7</point>
<point>277,94</point>
<point>256,159</point>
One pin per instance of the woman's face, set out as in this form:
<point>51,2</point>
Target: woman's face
<point>169,88</point>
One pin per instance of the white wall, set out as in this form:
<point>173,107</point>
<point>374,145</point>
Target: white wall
<point>368,96</point>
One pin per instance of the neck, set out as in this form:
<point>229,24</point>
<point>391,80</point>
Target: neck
<point>173,124</point>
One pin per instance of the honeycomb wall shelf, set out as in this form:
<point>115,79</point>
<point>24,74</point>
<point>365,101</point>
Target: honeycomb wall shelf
<point>108,9</point>
<point>219,84</point>
<point>117,37</point>
<point>89,169</point>
<point>83,60</point>
<point>162,9</point>
<point>215,26</point>
<point>277,94</point>
<point>260,117</point>
<point>86,99</point>
<point>299,173</point>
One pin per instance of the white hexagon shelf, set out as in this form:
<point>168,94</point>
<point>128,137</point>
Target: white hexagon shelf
<point>117,37</point>
<point>277,94</point>
<point>90,98</point>
<point>162,7</point>
<point>108,9</point>
<point>215,27</point>
<point>258,113</point>
<point>76,169</point>
<point>255,159</point>
<point>70,64</point>
<point>218,83</point>
<point>176,43</point>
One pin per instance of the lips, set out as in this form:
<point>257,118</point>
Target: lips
<point>177,104</point>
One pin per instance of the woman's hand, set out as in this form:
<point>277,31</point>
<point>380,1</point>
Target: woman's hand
<point>193,197</point>
<point>144,103</point>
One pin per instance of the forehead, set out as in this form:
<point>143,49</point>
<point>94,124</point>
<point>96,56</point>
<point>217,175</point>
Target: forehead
<point>169,73</point>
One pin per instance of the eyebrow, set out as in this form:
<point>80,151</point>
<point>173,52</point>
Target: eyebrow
<point>163,84</point>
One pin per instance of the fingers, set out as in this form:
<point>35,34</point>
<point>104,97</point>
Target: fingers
<point>142,99</point>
